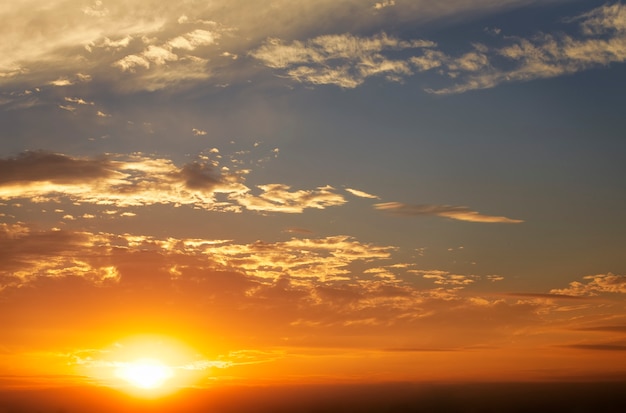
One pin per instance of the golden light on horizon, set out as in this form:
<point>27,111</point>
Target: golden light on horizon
<point>145,365</point>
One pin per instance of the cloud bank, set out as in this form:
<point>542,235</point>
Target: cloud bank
<point>139,180</point>
<point>347,61</point>
<point>153,47</point>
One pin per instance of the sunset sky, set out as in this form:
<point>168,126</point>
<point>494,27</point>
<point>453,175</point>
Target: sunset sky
<point>312,191</point>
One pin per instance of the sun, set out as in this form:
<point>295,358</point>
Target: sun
<point>145,366</point>
<point>145,373</point>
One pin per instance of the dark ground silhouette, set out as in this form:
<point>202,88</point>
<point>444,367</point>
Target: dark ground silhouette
<point>593,397</point>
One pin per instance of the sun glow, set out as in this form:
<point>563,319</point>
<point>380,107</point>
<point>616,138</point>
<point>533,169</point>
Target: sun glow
<point>145,373</point>
<point>145,366</point>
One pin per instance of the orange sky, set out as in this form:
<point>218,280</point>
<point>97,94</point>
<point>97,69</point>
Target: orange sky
<point>312,192</point>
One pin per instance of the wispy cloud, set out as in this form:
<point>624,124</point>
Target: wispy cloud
<point>361,194</point>
<point>171,46</point>
<point>281,198</point>
<point>445,278</point>
<point>594,285</point>
<point>163,64</point>
<point>601,41</point>
<point>347,60</point>
<point>344,60</point>
<point>599,347</point>
<point>606,328</point>
<point>459,213</point>
<point>548,296</point>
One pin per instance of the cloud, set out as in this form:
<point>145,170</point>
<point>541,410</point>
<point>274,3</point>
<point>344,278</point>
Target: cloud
<point>599,347</point>
<point>602,40</point>
<point>322,291</point>
<point>63,32</point>
<point>280,198</point>
<point>78,101</point>
<point>344,60</point>
<point>139,180</point>
<point>297,230</point>
<point>141,41</point>
<point>160,65</point>
<point>383,4</point>
<point>610,329</point>
<point>61,82</point>
<point>27,254</point>
<point>445,278</point>
<point>347,61</point>
<point>596,284</point>
<point>315,291</point>
<point>194,39</point>
<point>200,176</point>
<point>447,211</point>
<point>39,166</point>
<point>361,194</point>
<point>158,46</point>
<point>198,132</point>
<point>549,296</point>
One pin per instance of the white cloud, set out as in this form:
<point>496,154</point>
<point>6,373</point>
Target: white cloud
<point>159,55</point>
<point>361,194</point>
<point>170,62</point>
<point>347,61</point>
<point>343,60</point>
<point>280,198</point>
<point>603,41</point>
<point>61,82</point>
<point>78,101</point>
<point>198,132</point>
<point>131,61</point>
<point>158,45</point>
<point>383,4</point>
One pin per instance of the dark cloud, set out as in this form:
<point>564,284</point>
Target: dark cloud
<point>599,347</point>
<point>21,250</point>
<point>199,176</point>
<point>41,166</point>
<point>609,329</point>
<point>546,295</point>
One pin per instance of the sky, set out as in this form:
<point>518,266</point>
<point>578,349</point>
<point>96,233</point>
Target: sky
<point>313,191</point>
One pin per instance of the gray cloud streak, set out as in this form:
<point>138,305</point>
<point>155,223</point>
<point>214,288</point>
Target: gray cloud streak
<point>459,213</point>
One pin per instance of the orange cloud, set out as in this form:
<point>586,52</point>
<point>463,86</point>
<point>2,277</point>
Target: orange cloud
<point>307,289</point>
<point>596,284</point>
<point>139,180</point>
<point>459,213</point>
